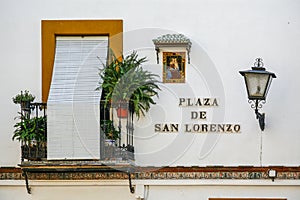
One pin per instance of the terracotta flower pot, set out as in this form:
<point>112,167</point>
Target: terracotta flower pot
<point>122,112</point>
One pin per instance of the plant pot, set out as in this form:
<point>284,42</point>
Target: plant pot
<point>122,112</point>
<point>109,142</point>
<point>25,105</point>
<point>34,152</point>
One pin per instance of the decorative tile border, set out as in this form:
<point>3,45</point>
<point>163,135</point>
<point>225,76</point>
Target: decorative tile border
<point>10,173</point>
<point>142,173</point>
<point>209,175</point>
<point>11,176</point>
<point>242,173</point>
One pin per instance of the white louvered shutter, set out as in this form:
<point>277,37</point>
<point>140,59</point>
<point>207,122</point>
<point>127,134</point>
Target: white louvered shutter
<point>73,103</point>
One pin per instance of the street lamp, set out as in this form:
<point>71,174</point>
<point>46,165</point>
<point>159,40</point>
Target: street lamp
<point>258,82</point>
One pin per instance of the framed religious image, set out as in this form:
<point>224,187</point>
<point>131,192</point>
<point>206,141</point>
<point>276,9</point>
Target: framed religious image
<point>173,67</point>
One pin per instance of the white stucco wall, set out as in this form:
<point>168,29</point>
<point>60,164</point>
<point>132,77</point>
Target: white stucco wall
<point>227,36</point>
<point>61,190</point>
<point>171,189</point>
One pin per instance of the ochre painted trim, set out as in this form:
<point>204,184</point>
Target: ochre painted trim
<point>50,28</point>
<point>10,170</point>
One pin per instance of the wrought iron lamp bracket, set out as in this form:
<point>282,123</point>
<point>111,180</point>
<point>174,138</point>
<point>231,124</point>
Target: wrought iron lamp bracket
<point>256,104</point>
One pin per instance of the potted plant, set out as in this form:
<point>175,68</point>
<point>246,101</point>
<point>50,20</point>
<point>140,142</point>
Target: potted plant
<point>111,136</point>
<point>31,133</point>
<point>125,82</point>
<point>111,133</point>
<point>24,99</point>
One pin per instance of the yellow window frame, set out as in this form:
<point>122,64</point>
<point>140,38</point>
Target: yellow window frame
<point>51,28</point>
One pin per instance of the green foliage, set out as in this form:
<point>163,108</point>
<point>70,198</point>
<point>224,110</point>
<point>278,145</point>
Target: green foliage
<point>126,81</point>
<point>29,129</point>
<point>109,129</point>
<point>23,97</point>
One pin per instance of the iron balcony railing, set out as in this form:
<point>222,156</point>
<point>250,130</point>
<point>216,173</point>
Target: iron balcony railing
<point>116,132</point>
<point>116,135</point>
<point>34,121</point>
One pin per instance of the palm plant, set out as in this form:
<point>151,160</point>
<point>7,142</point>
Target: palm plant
<point>125,81</point>
<point>30,129</point>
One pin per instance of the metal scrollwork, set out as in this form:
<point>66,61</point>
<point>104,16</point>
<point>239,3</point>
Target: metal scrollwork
<point>258,62</point>
<point>252,103</point>
<point>256,104</point>
<point>260,103</point>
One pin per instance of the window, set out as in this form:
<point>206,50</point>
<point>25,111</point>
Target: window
<point>73,103</point>
<point>53,28</point>
<point>70,61</point>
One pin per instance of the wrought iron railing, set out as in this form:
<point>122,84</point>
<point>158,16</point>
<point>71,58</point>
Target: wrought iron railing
<point>116,132</point>
<point>116,135</point>
<point>34,118</point>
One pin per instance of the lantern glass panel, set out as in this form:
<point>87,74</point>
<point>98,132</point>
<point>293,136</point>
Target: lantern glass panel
<point>257,85</point>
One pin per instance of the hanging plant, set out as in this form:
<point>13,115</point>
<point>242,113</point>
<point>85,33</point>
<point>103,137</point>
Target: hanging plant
<point>126,82</point>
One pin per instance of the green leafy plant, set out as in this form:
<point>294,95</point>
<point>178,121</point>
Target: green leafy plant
<point>30,129</point>
<point>23,97</point>
<point>125,81</point>
<point>109,129</point>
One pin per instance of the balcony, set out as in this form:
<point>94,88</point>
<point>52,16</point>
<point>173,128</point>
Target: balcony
<point>116,135</point>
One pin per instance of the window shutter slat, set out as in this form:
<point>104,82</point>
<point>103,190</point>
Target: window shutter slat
<point>73,103</point>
